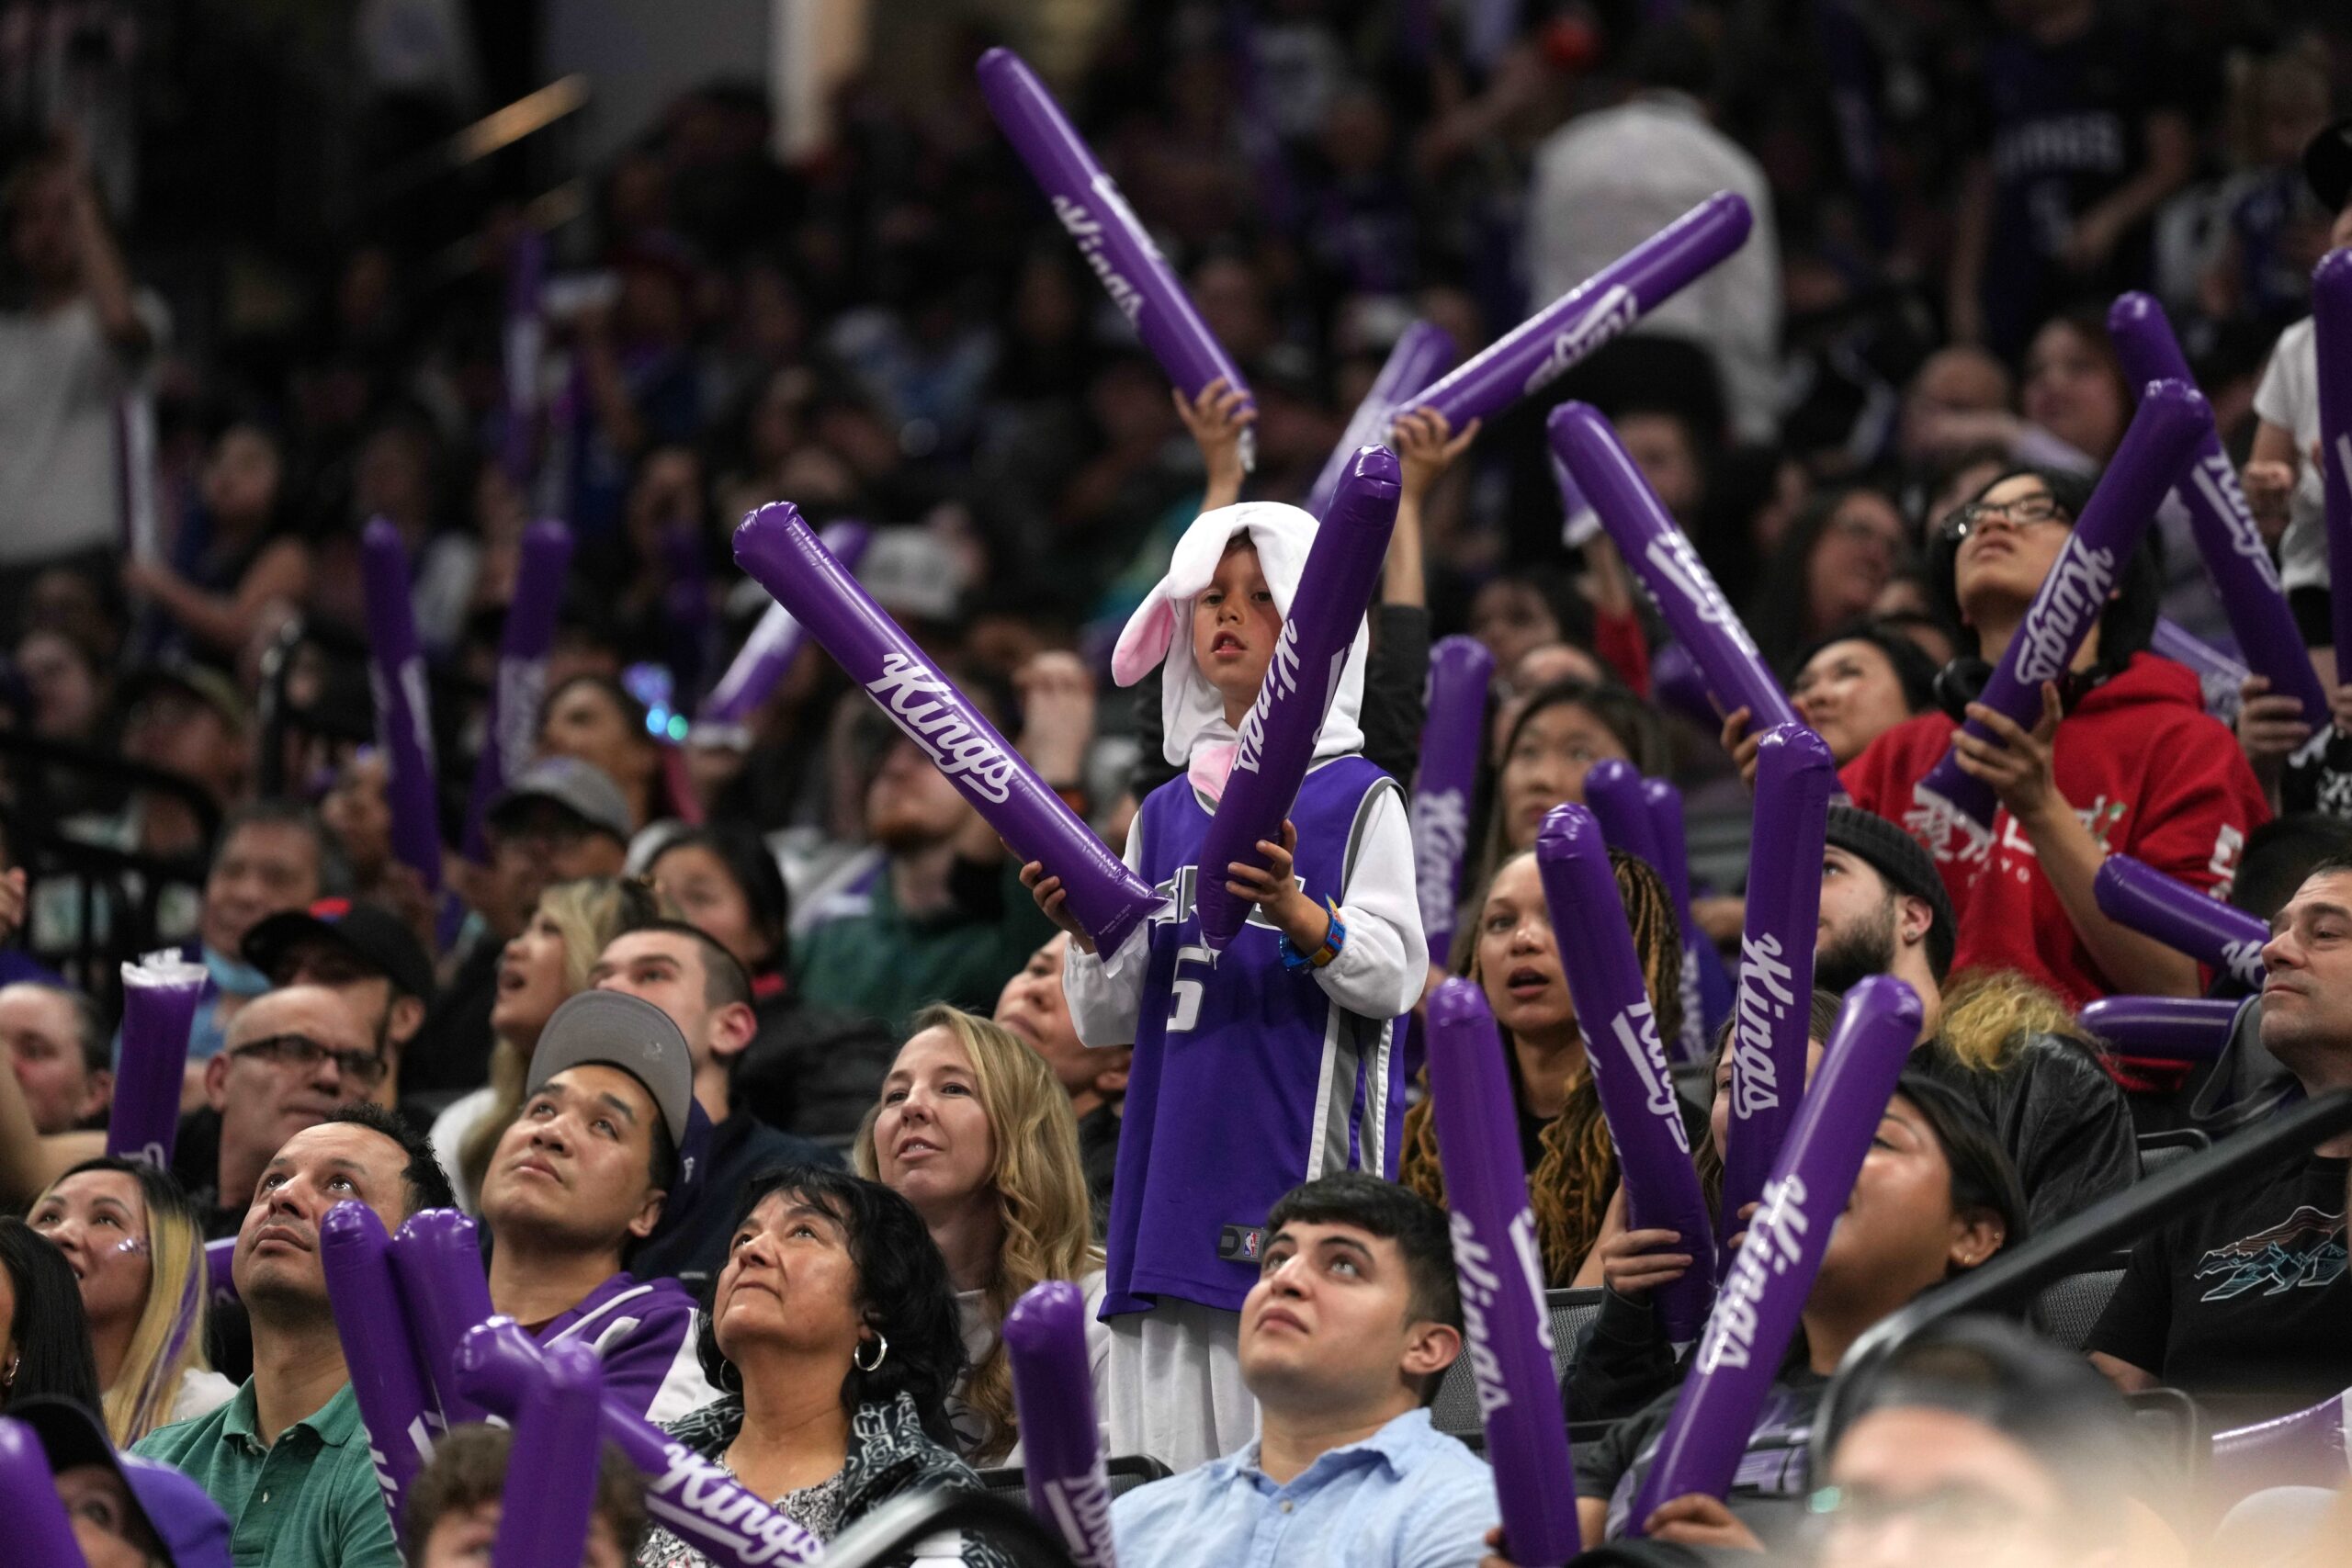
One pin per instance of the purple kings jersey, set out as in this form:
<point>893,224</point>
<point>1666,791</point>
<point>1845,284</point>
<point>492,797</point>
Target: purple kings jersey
<point>1247,1079</point>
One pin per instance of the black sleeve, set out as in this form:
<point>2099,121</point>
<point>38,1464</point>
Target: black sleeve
<point>2138,1319</point>
<point>1395,689</point>
<point>1152,769</point>
<point>2319,780</point>
<point>2077,1144</point>
<point>1624,1363</point>
<point>815,1072</point>
<point>1601,1465</point>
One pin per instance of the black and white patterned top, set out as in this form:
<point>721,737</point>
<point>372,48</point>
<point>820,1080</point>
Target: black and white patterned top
<point>890,1453</point>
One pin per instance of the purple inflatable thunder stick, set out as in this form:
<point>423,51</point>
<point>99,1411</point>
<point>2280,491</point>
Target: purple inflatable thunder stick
<point>1612,791</point>
<point>1541,349</point>
<point>1446,782</point>
<point>2307,1448</point>
<point>396,1403</point>
<point>1423,350</point>
<point>2220,936</point>
<point>1277,740</point>
<point>497,1364</point>
<point>2219,677</point>
<point>1701,619</point>
<point>550,1498</point>
<point>1794,777</point>
<point>1765,1292</point>
<point>1952,812</point>
<point>220,1271</point>
<point>160,996</point>
<point>1705,982</point>
<point>1578,520</point>
<point>1061,1443</point>
<point>404,716</point>
<point>1623,1052</point>
<point>38,1531</point>
<point>2176,1028</point>
<point>2228,538</point>
<point>767,656</point>
<point>1114,242</point>
<point>1678,685</point>
<point>779,550</point>
<point>511,722</point>
<point>2332,326</point>
<point>436,1260</point>
<point>1507,1332</point>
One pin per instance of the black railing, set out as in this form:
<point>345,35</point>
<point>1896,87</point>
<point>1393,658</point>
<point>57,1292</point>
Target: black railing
<point>118,893</point>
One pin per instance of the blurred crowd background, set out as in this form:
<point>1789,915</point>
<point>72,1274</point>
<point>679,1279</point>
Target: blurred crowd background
<point>294,226</point>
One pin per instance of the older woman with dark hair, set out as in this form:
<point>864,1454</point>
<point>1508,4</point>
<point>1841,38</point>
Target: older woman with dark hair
<point>835,1329</point>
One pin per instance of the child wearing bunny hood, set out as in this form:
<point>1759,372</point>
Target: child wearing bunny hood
<point>1274,1062</point>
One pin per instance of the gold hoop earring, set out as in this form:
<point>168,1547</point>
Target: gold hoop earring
<point>881,1348</point>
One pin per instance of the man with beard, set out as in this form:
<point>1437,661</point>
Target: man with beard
<point>287,1459</point>
<point>2004,1043</point>
<point>946,919</point>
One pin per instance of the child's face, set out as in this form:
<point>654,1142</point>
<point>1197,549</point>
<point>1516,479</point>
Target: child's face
<point>1234,625</point>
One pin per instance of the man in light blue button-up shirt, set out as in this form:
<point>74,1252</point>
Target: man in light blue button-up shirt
<point>1356,1312</point>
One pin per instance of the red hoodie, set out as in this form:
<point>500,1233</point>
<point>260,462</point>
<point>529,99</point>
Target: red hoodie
<point>2152,776</point>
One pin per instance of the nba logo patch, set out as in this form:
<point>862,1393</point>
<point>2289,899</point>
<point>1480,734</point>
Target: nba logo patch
<point>1241,1244</point>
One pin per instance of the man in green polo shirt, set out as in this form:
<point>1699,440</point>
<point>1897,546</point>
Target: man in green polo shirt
<point>287,1459</point>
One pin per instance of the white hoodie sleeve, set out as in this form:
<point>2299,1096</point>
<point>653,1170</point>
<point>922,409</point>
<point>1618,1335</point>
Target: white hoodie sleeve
<point>1105,992</point>
<point>1384,960</point>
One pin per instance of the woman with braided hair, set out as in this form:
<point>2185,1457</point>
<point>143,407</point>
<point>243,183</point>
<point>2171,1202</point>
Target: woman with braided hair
<point>1508,950</point>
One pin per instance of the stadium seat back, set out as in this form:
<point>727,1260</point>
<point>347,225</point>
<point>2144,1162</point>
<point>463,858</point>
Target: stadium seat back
<point>2160,1150</point>
<point>1570,1313</point>
<point>2070,1307</point>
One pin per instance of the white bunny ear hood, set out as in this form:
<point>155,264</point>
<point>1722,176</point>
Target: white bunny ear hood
<point>1190,710</point>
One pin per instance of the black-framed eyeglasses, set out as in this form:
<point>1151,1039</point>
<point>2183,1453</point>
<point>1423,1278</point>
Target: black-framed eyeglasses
<point>366,1068</point>
<point>2026,512</point>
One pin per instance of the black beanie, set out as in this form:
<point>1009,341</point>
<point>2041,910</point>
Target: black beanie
<point>1907,867</point>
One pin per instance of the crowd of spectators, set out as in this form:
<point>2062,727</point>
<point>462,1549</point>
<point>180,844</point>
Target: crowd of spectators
<point>771,1074</point>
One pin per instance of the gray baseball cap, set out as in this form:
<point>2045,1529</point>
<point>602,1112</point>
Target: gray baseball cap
<point>581,788</point>
<point>615,1030</point>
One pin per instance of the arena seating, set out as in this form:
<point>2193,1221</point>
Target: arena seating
<point>1456,1407</point>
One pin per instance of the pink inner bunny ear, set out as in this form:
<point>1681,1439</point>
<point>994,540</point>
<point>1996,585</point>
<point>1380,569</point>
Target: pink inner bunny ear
<point>1145,641</point>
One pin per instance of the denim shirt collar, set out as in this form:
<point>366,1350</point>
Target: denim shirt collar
<point>1394,1445</point>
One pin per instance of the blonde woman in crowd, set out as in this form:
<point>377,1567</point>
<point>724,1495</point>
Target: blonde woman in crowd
<point>973,1129</point>
<point>131,1237</point>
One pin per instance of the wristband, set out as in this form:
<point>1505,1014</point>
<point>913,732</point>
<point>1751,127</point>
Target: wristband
<point>1336,938</point>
